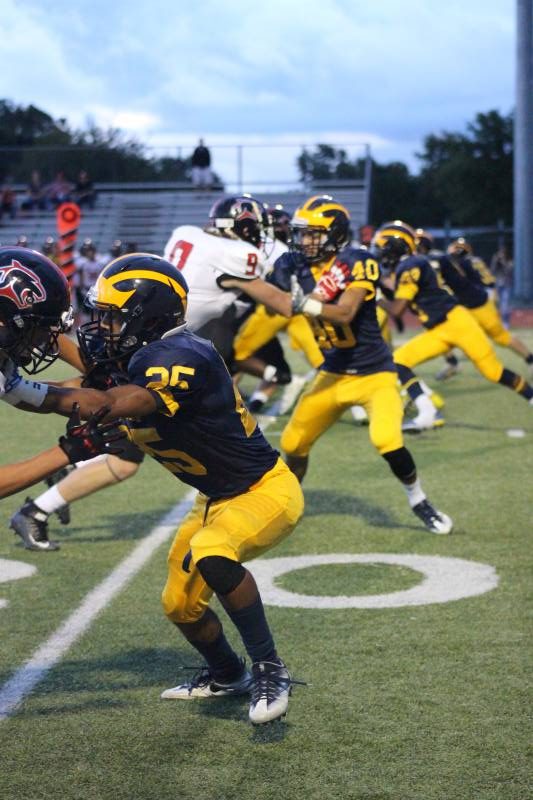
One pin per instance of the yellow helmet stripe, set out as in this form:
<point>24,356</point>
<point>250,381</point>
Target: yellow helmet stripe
<point>108,294</point>
<point>397,233</point>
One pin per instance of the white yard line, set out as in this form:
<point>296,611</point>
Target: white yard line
<point>48,654</point>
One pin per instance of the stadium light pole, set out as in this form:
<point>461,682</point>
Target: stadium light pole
<point>523,153</point>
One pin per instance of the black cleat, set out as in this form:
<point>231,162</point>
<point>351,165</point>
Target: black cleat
<point>31,524</point>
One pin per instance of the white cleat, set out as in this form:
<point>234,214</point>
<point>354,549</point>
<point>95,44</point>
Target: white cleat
<point>423,422</point>
<point>270,692</point>
<point>202,684</point>
<point>435,521</point>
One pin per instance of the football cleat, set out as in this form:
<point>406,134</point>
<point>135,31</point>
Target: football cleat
<point>202,684</point>
<point>31,524</point>
<point>447,372</point>
<point>270,691</point>
<point>435,521</point>
<point>423,422</point>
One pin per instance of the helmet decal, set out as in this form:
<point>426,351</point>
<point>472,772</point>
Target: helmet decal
<point>21,285</point>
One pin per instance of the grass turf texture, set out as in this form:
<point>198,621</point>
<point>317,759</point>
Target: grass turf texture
<point>427,702</point>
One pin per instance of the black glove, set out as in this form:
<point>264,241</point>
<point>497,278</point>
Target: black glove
<point>91,438</point>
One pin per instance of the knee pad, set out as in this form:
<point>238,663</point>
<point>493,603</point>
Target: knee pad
<point>221,574</point>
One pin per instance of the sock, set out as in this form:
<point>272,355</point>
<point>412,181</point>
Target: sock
<point>253,627</point>
<point>50,500</point>
<point>516,383</point>
<point>402,464</point>
<point>415,493</point>
<point>409,382</point>
<point>221,659</point>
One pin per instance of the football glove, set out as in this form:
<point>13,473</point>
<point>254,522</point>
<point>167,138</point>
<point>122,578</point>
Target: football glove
<point>301,302</point>
<point>333,282</point>
<point>84,440</point>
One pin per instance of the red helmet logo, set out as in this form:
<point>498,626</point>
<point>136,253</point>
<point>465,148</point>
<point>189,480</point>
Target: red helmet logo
<point>21,285</point>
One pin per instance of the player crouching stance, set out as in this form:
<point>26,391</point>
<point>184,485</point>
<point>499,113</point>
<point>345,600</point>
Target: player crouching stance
<point>186,413</point>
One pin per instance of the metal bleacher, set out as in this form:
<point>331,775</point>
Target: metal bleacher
<point>147,216</point>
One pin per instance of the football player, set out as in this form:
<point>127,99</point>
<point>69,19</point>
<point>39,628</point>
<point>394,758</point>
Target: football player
<point>34,311</point>
<point>462,278</point>
<point>448,324</point>
<point>340,284</point>
<point>186,413</point>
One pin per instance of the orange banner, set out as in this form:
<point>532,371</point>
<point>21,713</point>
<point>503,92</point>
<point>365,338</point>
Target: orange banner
<point>68,219</point>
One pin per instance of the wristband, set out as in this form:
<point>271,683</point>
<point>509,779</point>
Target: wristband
<point>29,392</point>
<point>312,307</point>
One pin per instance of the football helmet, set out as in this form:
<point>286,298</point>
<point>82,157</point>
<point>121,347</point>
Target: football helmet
<point>424,241</point>
<point>280,221</point>
<point>241,217</point>
<point>459,247</point>
<point>136,299</point>
<point>392,241</point>
<point>320,228</point>
<point>34,308</point>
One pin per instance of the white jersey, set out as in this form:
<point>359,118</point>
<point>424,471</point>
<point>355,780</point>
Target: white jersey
<point>205,257</point>
<point>274,248</point>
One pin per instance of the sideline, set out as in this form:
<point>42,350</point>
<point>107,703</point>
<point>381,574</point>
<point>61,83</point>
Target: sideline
<point>48,654</point>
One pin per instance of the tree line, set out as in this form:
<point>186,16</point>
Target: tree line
<point>465,178</point>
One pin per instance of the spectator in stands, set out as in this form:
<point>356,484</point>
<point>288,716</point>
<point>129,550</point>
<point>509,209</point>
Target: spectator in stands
<point>89,265</point>
<point>502,267</point>
<point>60,190</point>
<point>22,241</point>
<point>84,192</point>
<point>201,167</point>
<point>35,193</point>
<point>130,247</point>
<point>8,199</point>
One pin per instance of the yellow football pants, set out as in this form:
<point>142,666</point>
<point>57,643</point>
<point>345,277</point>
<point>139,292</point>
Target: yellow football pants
<point>239,528</point>
<point>261,327</point>
<point>460,329</point>
<point>330,394</point>
<point>489,319</point>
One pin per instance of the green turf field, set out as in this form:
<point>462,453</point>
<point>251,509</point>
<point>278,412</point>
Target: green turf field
<point>425,701</point>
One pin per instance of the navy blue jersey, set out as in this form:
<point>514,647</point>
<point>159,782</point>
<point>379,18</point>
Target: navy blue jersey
<point>463,280</point>
<point>295,264</point>
<point>417,282</point>
<point>356,348</point>
<point>201,430</point>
